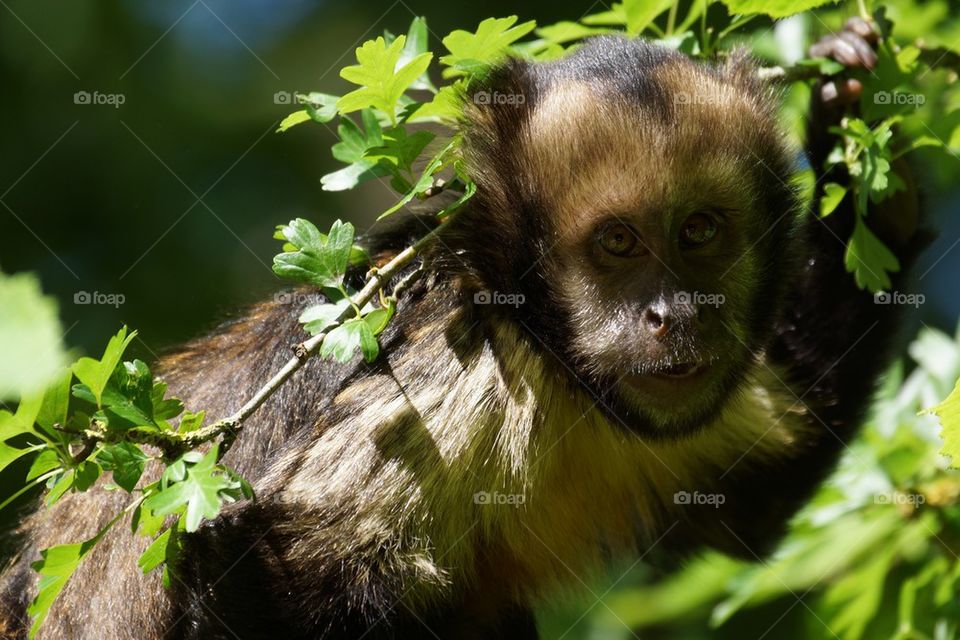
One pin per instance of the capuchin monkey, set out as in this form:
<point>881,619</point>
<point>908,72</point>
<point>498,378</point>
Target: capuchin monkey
<point>633,312</point>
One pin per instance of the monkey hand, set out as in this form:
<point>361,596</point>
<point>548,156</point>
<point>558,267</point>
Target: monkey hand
<point>853,48</point>
<point>896,220</point>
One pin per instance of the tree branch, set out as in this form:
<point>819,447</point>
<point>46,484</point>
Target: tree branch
<point>174,444</point>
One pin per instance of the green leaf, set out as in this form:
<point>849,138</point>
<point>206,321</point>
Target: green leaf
<point>292,120</point>
<point>96,373</point>
<point>869,259</point>
<point>164,408</point>
<point>53,409</point>
<point>468,192</point>
<point>48,460</point>
<point>400,150</point>
<point>826,66</point>
<point>425,181</point>
<point>126,461</point>
<point>948,412</point>
<point>349,177</point>
<point>156,553</point>
<point>321,261</point>
<point>200,491</point>
<point>9,454</point>
<point>382,76</point>
<point>616,16</point>
<point>85,475</point>
<point>55,567</point>
<point>833,194</point>
<point>640,13</point>
<point>354,140</point>
<point>473,52</point>
<point>566,31</point>
<point>14,424</point>
<point>352,148</point>
<point>416,45</point>
<point>321,107</point>
<point>17,424</point>
<point>191,422</point>
<point>369,346</point>
<point>316,318</point>
<point>773,8</point>
<point>857,595</point>
<point>60,487</point>
<point>31,338</point>
<point>341,343</point>
<point>378,319</point>
<point>445,106</point>
<point>144,520</point>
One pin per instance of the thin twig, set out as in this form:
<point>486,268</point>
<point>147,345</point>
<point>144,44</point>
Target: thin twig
<point>174,443</point>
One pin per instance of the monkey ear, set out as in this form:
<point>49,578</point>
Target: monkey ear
<point>740,69</point>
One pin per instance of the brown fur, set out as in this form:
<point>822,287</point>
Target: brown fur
<point>367,520</point>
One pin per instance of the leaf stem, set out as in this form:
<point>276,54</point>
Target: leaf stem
<point>30,485</point>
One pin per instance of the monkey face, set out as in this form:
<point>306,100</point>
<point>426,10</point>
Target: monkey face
<point>641,205</point>
<point>659,317</point>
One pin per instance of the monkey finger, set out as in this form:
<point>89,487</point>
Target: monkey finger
<point>864,51</point>
<point>841,92</point>
<point>862,28</point>
<point>833,46</point>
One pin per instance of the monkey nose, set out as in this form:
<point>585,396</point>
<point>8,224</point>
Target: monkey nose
<point>656,323</point>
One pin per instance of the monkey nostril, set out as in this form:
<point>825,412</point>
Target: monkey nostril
<point>656,324</point>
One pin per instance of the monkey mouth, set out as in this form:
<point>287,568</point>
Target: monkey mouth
<point>667,377</point>
<point>679,370</point>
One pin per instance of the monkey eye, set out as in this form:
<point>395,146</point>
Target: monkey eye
<point>697,230</point>
<point>620,240</point>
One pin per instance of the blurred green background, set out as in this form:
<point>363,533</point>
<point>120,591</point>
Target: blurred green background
<point>169,200</point>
